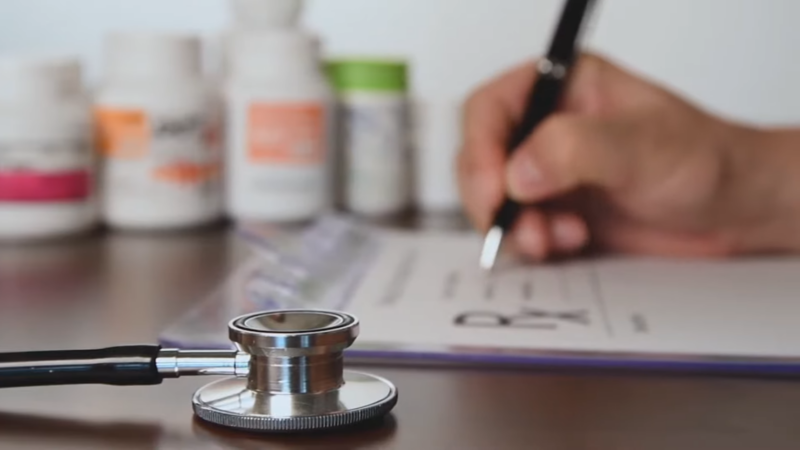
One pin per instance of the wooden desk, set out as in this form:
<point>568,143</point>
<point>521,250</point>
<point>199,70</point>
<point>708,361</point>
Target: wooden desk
<point>121,289</point>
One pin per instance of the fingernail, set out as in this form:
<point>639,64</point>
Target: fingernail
<point>525,176</point>
<point>568,234</point>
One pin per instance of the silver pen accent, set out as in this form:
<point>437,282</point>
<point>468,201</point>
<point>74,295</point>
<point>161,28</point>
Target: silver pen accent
<point>491,247</point>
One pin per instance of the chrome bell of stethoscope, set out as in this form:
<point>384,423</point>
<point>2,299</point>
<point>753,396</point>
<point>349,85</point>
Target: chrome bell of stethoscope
<point>286,375</point>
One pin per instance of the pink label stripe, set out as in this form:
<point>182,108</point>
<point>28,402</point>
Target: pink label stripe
<point>44,187</point>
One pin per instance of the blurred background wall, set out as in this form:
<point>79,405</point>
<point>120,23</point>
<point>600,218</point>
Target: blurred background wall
<point>739,58</point>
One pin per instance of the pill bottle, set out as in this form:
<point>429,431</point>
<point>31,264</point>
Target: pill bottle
<point>279,107</point>
<point>373,135</point>
<point>158,128</point>
<point>47,176</point>
<point>266,14</point>
<point>437,135</point>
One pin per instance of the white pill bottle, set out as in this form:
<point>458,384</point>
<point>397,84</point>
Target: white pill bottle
<point>159,132</point>
<point>374,138</point>
<point>266,14</point>
<point>437,134</point>
<point>279,107</point>
<point>47,176</point>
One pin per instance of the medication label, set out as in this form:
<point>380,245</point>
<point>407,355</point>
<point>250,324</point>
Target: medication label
<point>157,156</point>
<point>289,134</point>
<point>45,170</point>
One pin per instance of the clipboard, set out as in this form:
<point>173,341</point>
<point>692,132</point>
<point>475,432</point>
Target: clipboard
<point>423,301</point>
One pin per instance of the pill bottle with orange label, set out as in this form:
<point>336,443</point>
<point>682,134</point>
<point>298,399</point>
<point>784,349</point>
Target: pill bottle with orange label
<point>279,104</point>
<point>159,132</point>
<point>47,187</point>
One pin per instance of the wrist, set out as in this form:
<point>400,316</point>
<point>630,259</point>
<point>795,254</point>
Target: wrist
<point>763,189</point>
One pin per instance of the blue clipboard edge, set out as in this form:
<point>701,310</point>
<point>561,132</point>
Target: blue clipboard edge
<point>562,359</point>
<point>730,366</point>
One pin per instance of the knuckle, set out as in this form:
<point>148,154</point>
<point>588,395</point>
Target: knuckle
<point>592,60</point>
<point>593,65</point>
<point>558,141</point>
<point>479,187</point>
<point>464,162</point>
<point>462,169</point>
<point>589,90</point>
<point>468,174</point>
<point>477,98</point>
<point>491,90</point>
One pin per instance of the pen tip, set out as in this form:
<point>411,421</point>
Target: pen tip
<point>491,247</point>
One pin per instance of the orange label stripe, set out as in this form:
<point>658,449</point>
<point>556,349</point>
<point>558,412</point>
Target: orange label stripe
<point>285,134</point>
<point>121,134</point>
<point>187,173</point>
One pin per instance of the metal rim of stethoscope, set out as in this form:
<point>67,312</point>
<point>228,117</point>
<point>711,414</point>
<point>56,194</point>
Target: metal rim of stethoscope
<point>251,331</point>
<point>299,383</point>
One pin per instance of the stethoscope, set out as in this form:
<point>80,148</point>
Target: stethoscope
<point>286,375</point>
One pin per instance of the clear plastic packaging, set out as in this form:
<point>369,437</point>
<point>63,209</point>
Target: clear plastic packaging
<point>315,267</point>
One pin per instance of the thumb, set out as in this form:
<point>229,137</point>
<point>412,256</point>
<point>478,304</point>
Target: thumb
<point>567,152</point>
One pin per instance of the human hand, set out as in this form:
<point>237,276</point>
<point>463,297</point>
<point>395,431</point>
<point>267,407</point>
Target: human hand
<point>623,166</point>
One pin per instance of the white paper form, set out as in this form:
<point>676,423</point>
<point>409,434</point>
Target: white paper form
<point>427,291</point>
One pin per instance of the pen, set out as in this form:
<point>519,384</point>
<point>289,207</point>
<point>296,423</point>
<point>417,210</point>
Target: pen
<point>552,73</point>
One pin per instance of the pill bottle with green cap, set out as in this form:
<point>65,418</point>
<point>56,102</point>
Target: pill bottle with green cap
<point>374,157</point>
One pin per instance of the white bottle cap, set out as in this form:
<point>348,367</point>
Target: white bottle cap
<point>266,14</point>
<point>264,54</point>
<point>437,142</point>
<point>152,56</point>
<point>31,78</point>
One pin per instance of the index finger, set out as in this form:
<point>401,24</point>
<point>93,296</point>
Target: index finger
<point>488,117</point>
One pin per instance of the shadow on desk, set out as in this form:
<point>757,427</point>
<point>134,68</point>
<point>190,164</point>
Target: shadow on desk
<point>37,431</point>
<point>34,431</point>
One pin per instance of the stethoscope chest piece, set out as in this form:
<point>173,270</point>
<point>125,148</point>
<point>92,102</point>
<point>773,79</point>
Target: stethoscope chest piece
<point>296,381</point>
